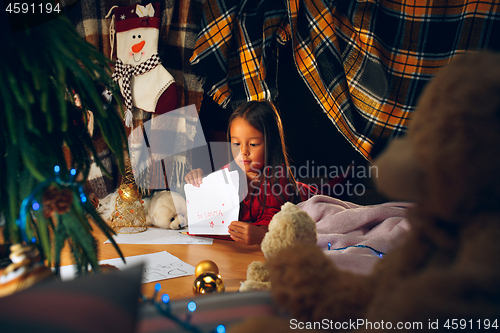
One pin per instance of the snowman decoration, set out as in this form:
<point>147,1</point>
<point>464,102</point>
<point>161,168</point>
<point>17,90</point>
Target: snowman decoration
<point>144,82</point>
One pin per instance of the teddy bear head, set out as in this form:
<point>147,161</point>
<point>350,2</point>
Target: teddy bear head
<point>449,160</point>
<point>288,227</point>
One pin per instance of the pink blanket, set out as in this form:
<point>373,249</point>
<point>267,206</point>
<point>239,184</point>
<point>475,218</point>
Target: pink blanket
<point>343,224</point>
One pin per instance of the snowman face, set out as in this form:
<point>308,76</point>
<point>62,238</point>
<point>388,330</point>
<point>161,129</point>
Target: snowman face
<point>136,45</point>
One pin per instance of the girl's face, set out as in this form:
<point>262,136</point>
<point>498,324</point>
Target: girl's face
<point>247,147</point>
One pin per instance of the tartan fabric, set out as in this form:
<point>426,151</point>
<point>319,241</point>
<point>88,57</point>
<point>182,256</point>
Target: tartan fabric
<point>236,49</point>
<point>365,62</point>
<point>180,24</point>
<point>160,152</point>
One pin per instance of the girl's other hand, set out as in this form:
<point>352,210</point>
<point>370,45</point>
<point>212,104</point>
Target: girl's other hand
<point>247,233</point>
<point>194,177</point>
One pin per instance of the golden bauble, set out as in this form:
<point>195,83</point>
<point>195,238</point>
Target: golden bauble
<point>208,283</point>
<point>129,193</point>
<point>205,266</point>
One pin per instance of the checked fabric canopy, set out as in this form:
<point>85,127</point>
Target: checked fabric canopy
<point>365,62</point>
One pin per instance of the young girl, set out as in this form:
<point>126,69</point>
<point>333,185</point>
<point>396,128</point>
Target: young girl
<point>258,148</point>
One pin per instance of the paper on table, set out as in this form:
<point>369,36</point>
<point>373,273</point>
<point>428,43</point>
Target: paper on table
<point>157,266</point>
<point>159,236</point>
<point>214,205</point>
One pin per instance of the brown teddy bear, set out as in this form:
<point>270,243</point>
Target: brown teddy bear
<point>445,275</point>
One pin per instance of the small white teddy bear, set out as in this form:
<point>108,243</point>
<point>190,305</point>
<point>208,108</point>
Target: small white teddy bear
<point>166,209</point>
<point>291,225</point>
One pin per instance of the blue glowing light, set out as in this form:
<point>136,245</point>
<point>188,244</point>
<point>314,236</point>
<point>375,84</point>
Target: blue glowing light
<point>36,206</point>
<point>73,172</point>
<point>192,306</point>
<point>33,239</point>
<point>83,198</point>
<point>165,298</point>
<point>57,168</point>
<point>157,287</point>
<point>221,329</point>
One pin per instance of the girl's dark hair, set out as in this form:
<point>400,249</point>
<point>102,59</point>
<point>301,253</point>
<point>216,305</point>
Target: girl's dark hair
<point>264,116</point>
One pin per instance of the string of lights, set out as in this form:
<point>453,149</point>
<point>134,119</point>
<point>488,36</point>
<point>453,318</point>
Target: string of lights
<point>164,308</point>
<point>31,202</point>
<point>377,252</point>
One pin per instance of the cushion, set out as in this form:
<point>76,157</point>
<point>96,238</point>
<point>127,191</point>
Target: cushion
<point>94,303</point>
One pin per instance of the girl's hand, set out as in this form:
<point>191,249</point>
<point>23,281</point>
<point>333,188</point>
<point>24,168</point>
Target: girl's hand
<point>194,177</point>
<point>247,233</point>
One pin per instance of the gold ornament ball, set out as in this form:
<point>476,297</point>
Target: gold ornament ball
<point>129,193</point>
<point>206,266</point>
<point>207,283</point>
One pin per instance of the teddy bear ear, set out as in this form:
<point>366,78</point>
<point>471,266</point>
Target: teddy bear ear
<point>398,175</point>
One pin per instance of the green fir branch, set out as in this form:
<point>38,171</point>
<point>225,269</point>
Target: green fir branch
<point>44,65</point>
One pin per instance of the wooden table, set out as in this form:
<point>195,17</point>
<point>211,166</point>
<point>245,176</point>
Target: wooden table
<point>232,259</point>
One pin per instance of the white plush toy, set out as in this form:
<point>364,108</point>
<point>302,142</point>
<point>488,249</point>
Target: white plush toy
<point>166,209</point>
<point>290,226</point>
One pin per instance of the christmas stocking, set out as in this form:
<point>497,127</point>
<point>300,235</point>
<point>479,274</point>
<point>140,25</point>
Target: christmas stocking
<point>144,82</point>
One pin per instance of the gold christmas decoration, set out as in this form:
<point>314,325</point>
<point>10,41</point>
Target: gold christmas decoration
<point>207,279</point>
<point>208,282</point>
<point>206,266</point>
<point>129,193</point>
<point>129,216</point>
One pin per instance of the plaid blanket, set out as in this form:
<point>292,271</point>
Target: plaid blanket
<point>180,24</point>
<point>365,62</point>
<point>236,49</point>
